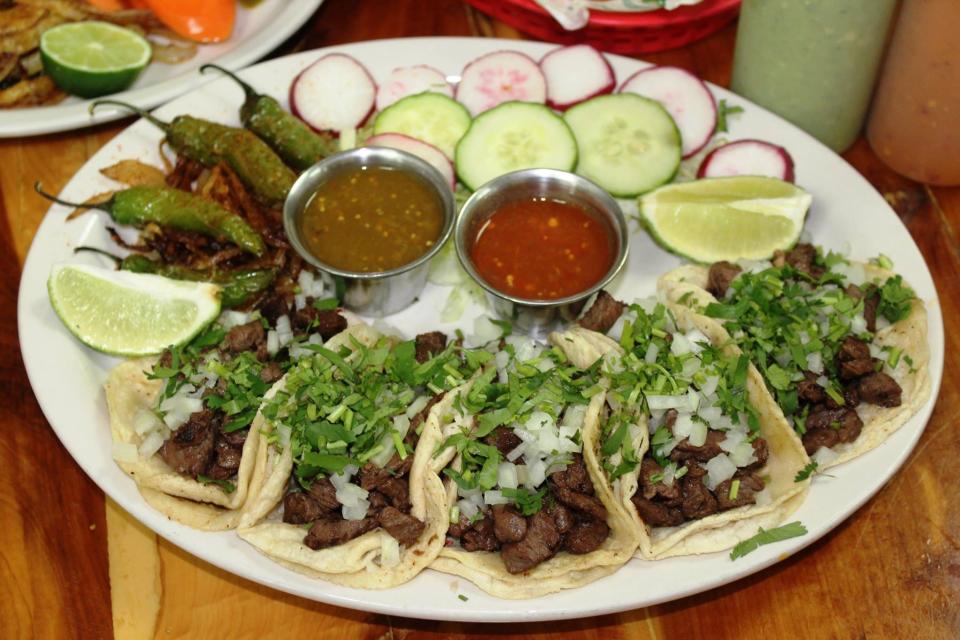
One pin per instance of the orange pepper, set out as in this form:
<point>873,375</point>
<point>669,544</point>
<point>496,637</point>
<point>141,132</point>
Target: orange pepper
<point>199,20</point>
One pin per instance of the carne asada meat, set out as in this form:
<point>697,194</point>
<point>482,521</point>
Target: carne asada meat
<point>809,391</point>
<point>603,313</point>
<point>323,491</point>
<point>562,516</point>
<point>852,369</point>
<point>418,419</point>
<point>398,492</point>
<point>880,389</point>
<point>508,524</point>
<point>829,427</point>
<point>853,348</point>
<point>481,536</point>
<point>539,544</point>
<point>226,460</point>
<point>698,502</point>
<point>326,322</point>
<point>586,536</point>
<point>762,452</point>
<point>300,507</point>
<point>429,344</point>
<point>649,489</point>
<point>588,504</point>
<point>802,258</point>
<point>504,439</point>
<point>271,373</point>
<point>870,304</point>
<point>750,485</point>
<point>575,477</point>
<point>191,447</point>
<point>814,439</point>
<point>373,477</point>
<point>245,337</point>
<point>406,529</point>
<point>704,453</point>
<point>720,276</point>
<point>656,514</point>
<point>333,532</point>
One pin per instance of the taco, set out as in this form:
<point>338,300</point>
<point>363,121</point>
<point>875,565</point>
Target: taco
<point>528,516</point>
<point>841,345</point>
<point>181,424</point>
<point>357,496</point>
<point>688,438</point>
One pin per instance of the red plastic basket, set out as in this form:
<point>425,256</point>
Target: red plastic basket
<point>618,32</point>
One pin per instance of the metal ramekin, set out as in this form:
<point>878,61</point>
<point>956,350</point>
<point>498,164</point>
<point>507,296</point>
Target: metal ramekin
<point>538,317</point>
<point>383,292</point>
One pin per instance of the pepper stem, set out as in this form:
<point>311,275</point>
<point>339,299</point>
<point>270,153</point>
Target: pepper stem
<point>251,94</point>
<point>103,253</point>
<point>141,112</point>
<point>103,206</point>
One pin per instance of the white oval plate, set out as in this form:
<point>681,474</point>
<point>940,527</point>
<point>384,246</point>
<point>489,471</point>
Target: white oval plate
<point>67,377</point>
<point>257,32</point>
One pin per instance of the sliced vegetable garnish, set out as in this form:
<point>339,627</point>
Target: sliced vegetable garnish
<point>768,536</point>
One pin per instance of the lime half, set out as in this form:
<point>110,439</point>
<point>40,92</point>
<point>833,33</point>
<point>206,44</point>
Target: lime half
<point>130,314</point>
<point>92,58</point>
<point>726,218</point>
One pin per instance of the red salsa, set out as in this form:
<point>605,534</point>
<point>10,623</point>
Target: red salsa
<point>541,249</point>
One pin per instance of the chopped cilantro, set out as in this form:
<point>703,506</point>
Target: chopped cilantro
<point>326,304</point>
<point>527,502</point>
<point>223,484</point>
<point>806,472</point>
<point>767,536</point>
<point>462,597</point>
<point>724,111</point>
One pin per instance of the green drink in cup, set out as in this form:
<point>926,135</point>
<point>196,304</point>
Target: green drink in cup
<point>814,62</point>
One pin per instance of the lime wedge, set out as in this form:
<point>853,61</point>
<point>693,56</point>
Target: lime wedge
<point>130,314</point>
<point>726,218</point>
<point>92,58</point>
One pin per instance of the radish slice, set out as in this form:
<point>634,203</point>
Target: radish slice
<point>407,81</point>
<point>423,150</point>
<point>333,94</point>
<point>748,158</point>
<point>575,74</point>
<point>500,77</point>
<point>685,97</point>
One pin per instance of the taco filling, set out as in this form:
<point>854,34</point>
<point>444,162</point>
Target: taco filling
<point>352,419</point>
<point>213,388</point>
<point>522,487</point>
<point>706,448</point>
<point>808,322</point>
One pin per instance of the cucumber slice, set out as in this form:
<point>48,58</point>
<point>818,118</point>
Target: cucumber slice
<point>429,117</point>
<point>628,144</point>
<point>514,136</point>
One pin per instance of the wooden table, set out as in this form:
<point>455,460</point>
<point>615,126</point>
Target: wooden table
<point>891,570</point>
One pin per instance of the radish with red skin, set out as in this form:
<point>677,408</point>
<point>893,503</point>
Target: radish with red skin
<point>406,81</point>
<point>334,93</point>
<point>499,77</point>
<point>748,158</point>
<point>423,150</point>
<point>574,74</point>
<point>685,97</point>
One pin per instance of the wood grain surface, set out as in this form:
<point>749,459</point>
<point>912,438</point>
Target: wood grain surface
<point>74,566</point>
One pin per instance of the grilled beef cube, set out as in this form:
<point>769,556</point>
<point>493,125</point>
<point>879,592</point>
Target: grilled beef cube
<point>539,544</point>
<point>586,536</point>
<point>504,439</point>
<point>650,489</point>
<point>762,451</point>
<point>326,322</point>
<point>429,344</point>
<point>880,389</point>
<point>226,460</point>
<point>698,502</point>
<point>562,517</point>
<point>300,508</point>
<point>235,438</point>
<point>602,314</point>
<point>720,276</point>
<point>373,477</point>
<point>830,427</point>
<point>870,304</point>
<point>191,447</point>
<point>670,417</point>
<point>406,529</point>
<point>244,337</point>
<point>808,390</point>
<point>398,491</point>
<point>814,439</point>
<point>802,258</point>
<point>508,524</point>
<point>853,291</point>
<point>377,501</point>
<point>588,504</point>
<point>853,369</point>
<point>333,532</point>
<point>853,348</point>
<point>851,398</point>
<point>460,527</point>
<point>575,477</point>
<point>323,491</point>
<point>750,485</point>
<point>655,514</point>
<point>271,373</point>
<point>276,305</point>
<point>704,453</point>
<point>481,536</point>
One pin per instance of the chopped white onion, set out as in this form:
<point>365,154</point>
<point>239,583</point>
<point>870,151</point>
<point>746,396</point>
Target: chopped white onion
<point>151,444</point>
<point>389,551</point>
<point>733,440</point>
<point>858,324</point>
<point>230,319</point>
<point>697,340</point>
<point>710,385</point>
<point>517,452</point>
<point>145,421</point>
<point>648,304</point>
<point>177,409</point>
<point>507,475</point>
<point>124,451</point>
<point>417,406</point>
<point>484,331</point>
<point>652,352</point>
<point>573,418</point>
<point>698,435</point>
<point>538,420</point>
<point>719,468</point>
<point>823,381</point>
<point>467,508</point>
<point>354,500</point>
<point>824,456</point>
<point>284,330</point>
<point>273,342</point>
<point>711,414</point>
<point>815,362</point>
<point>666,402</point>
<point>536,474</point>
<point>299,301</point>
<point>683,426</point>
<point>743,455</point>
<point>616,331</point>
<point>526,348</point>
<point>669,472</point>
<point>494,496</point>
<point>680,345</point>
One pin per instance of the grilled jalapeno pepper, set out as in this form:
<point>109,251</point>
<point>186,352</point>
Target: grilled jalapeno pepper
<point>237,287</point>
<point>299,145</point>
<point>210,143</point>
<point>177,209</point>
